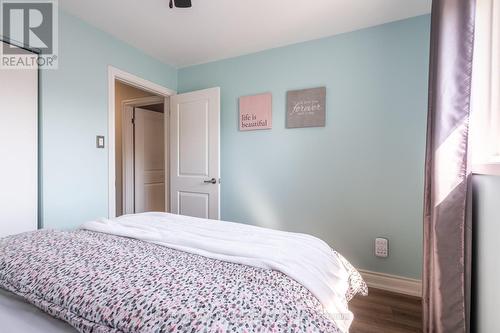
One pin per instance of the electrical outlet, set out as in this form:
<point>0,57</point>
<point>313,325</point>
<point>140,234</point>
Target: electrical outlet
<point>381,247</point>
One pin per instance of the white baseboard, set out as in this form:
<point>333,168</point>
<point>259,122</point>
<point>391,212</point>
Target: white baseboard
<point>394,283</point>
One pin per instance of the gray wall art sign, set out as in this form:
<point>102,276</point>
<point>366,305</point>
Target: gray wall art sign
<point>306,108</point>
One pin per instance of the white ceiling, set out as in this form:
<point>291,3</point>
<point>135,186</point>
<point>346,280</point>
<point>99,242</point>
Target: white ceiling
<point>217,29</point>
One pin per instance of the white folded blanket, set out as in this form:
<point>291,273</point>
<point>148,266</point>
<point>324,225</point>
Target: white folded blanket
<point>304,258</point>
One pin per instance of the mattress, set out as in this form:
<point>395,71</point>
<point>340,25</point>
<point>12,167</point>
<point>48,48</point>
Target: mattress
<point>165,273</point>
<point>16,315</point>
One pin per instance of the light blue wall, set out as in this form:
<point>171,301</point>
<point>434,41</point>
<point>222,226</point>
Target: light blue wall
<point>486,223</point>
<point>359,177</point>
<point>74,110</point>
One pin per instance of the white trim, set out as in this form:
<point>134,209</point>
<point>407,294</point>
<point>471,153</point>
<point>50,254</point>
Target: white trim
<point>491,169</point>
<point>143,101</point>
<point>393,283</point>
<point>127,159</point>
<point>485,101</point>
<point>495,81</point>
<point>113,75</point>
<point>166,126</point>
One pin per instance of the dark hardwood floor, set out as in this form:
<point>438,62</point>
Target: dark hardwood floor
<point>386,312</point>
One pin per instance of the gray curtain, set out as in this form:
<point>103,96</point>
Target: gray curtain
<point>447,231</point>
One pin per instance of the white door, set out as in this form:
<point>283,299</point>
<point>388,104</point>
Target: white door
<point>18,150</point>
<point>194,153</point>
<point>149,174</point>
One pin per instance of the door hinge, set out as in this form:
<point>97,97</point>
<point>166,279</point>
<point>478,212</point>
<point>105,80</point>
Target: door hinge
<point>133,120</point>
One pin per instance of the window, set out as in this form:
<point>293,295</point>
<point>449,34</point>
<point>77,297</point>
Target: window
<point>485,110</point>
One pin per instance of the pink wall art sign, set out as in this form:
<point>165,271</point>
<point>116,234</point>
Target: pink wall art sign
<point>256,112</point>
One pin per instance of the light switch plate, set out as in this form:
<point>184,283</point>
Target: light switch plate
<point>99,141</point>
<point>381,247</point>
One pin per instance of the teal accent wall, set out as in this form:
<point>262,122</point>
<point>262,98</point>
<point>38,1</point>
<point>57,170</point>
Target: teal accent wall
<point>486,271</point>
<point>359,177</point>
<point>74,109</point>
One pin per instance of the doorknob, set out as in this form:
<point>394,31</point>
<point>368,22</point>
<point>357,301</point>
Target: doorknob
<point>211,181</point>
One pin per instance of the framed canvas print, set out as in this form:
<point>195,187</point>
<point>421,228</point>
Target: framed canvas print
<point>306,108</point>
<point>256,112</point>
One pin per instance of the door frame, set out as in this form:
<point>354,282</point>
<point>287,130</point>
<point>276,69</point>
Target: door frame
<point>128,149</point>
<point>115,74</point>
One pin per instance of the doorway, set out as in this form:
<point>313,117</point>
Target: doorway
<point>127,91</point>
<point>164,149</point>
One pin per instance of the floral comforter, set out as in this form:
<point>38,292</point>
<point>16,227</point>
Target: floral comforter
<point>104,283</point>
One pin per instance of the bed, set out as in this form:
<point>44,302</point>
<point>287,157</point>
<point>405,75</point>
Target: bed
<point>159,272</point>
